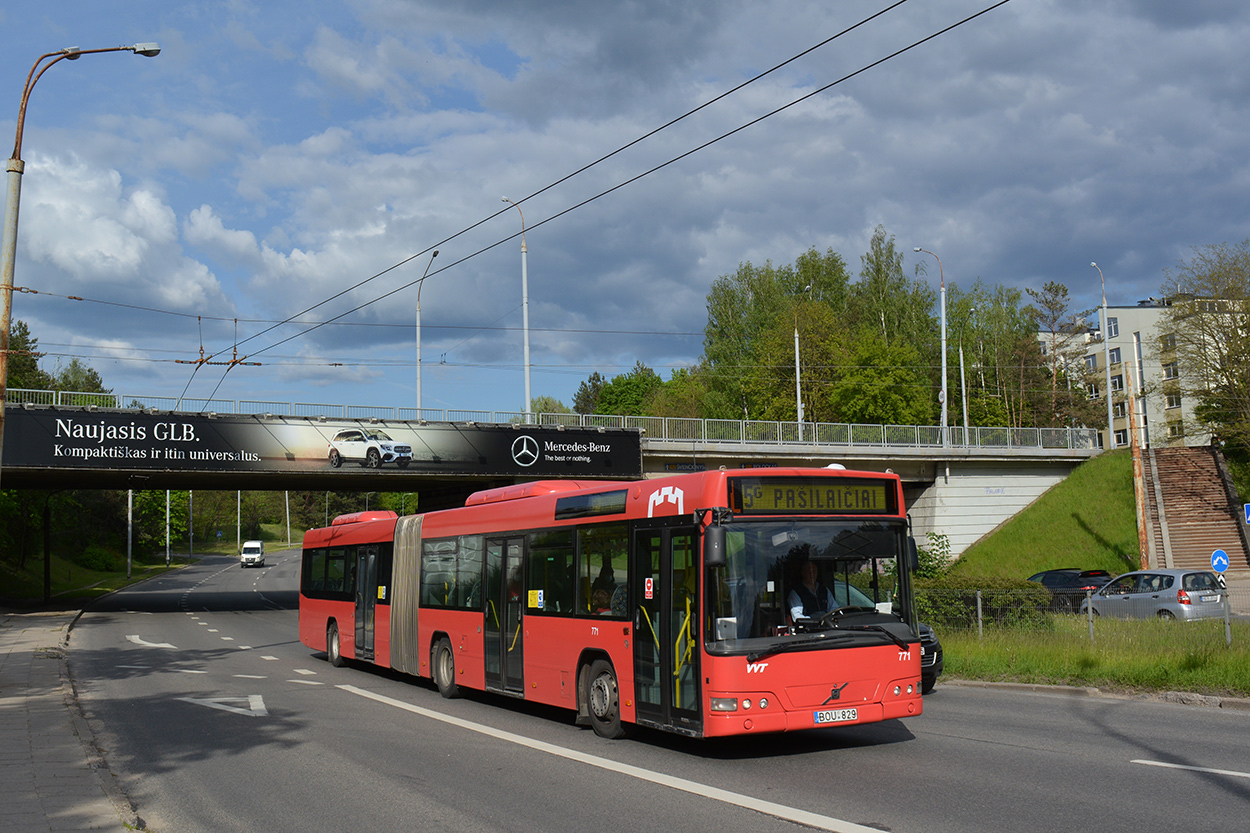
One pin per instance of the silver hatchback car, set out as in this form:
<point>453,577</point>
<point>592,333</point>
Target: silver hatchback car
<point>1168,594</point>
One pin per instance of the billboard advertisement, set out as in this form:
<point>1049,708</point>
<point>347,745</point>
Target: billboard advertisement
<point>68,439</point>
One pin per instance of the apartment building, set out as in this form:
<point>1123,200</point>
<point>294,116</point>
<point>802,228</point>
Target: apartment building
<point>1142,359</point>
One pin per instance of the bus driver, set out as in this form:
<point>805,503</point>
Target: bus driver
<point>810,599</point>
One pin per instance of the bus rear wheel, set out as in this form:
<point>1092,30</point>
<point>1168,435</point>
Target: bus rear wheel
<point>443,669</point>
<point>603,700</point>
<point>333,654</point>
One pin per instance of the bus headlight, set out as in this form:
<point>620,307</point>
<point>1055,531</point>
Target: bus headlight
<point>724,704</point>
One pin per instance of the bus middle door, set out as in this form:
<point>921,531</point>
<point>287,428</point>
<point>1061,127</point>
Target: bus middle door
<point>666,626</point>
<point>505,601</point>
<point>366,599</point>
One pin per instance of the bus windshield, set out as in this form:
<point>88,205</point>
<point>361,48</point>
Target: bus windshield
<point>786,578</point>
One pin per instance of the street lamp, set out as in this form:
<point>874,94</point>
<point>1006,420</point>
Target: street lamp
<point>420,284</point>
<point>941,396</point>
<point>798,391</point>
<point>525,307</point>
<point>1106,349</point>
<point>13,191</point>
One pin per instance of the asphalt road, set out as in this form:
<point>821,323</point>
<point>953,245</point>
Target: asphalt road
<point>215,718</point>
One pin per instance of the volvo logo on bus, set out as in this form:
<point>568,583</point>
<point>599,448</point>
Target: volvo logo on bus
<point>525,450</point>
<point>835,693</point>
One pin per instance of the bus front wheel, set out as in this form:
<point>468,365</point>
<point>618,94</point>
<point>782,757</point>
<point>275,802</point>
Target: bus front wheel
<point>604,700</point>
<point>332,646</point>
<point>443,669</point>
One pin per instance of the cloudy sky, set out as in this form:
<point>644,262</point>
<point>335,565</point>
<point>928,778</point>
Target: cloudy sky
<point>299,160</point>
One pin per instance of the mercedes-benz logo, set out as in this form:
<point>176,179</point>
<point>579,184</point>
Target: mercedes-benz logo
<point>525,450</point>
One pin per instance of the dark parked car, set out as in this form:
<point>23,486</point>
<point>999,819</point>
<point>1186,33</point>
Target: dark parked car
<point>1168,594</point>
<point>1069,585</point>
<point>930,658</point>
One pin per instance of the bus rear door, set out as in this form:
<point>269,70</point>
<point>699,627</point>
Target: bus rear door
<point>666,623</point>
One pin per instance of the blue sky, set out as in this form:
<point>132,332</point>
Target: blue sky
<point>277,154</point>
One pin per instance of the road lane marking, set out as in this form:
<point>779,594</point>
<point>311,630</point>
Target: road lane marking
<point>212,630</point>
<point>138,640</point>
<point>189,671</point>
<point>1230,772</point>
<point>227,638</point>
<point>251,676</point>
<point>305,672</point>
<point>306,682</point>
<point>269,659</point>
<point>254,702</point>
<point>662,779</point>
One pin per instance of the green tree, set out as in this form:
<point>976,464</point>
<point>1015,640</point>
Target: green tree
<point>548,405</point>
<point>24,358</point>
<point>1064,342</point>
<point>586,400</point>
<point>629,393</point>
<point>884,384</point>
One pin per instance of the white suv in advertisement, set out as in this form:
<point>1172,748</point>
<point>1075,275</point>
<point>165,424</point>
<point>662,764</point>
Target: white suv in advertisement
<point>252,554</point>
<point>371,447</point>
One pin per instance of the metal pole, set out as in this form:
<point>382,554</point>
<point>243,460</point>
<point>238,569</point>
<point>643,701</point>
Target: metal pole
<point>167,533</point>
<point>942,396</point>
<point>525,306</point>
<point>798,393</point>
<point>420,284</point>
<point>130,527</point>
<point>286,496</point>
<point>13,191</point>
<point>1106,350</point>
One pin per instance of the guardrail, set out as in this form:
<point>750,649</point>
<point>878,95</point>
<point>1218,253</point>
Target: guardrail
<point>678,429</point>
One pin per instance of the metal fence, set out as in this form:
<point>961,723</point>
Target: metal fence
<point>676,429</point>
<point>1222,615</point>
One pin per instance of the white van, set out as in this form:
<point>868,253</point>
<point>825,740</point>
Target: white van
<point>253,554</point>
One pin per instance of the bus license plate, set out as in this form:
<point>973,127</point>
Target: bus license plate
<point>835,716</point>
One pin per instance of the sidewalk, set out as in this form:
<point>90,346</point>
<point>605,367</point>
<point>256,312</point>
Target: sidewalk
<point>51,778</point>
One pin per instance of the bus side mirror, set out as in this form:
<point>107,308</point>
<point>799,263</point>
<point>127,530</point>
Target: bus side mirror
<point>913,556</point>
<point>714,546</point>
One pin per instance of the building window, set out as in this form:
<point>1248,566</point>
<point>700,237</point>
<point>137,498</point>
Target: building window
<point>1121,437</point>
<point>1119,409</point>
<point>1168,342</point>
<point>1092,391</point>
<point>1115,355</point>
<point>1091,363</point>
<point>1173,400</point>
<point>1117,383</point>
<point>1176,430</point>
<point>1113,327</point>
<point>1170,371</point>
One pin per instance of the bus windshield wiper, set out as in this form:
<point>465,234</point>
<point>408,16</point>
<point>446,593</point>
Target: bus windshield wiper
<point>899,641</point>
<point>786,647</point>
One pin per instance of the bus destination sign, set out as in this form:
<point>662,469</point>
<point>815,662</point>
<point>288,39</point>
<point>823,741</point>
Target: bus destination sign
<point>815,496</point>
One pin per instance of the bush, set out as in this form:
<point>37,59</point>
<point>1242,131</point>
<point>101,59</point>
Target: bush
<point>96,557</point>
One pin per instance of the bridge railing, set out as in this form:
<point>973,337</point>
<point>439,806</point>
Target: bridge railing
<point>676,429</point>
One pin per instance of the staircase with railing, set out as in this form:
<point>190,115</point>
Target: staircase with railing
<point>1191,511</point>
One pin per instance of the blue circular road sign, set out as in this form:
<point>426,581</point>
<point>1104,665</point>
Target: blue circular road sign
<point>1219,561</point>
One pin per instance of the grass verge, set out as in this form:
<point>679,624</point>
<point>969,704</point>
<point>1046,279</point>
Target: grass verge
<point>1124,656</point>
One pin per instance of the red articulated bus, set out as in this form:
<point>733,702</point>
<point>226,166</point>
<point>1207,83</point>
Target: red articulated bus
<point>708,604</point>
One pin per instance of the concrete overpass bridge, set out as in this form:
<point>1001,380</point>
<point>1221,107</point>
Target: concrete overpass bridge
<point>962,484</point>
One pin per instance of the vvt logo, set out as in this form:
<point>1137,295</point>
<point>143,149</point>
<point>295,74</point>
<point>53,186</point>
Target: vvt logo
<point>756,667</point>
<point>525,451</point>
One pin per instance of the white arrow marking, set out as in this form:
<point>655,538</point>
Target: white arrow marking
<point>138,640</point>
<point>252,705</point>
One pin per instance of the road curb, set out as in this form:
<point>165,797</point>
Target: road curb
<point>1182,698</point>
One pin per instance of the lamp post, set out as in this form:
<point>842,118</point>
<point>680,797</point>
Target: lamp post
<point>13,191</point>
<point>942,281</point>
<point>1106,349</point>
<point>798,391</point>
<point>420,284</point>
<point>525,307</point>
<point>963,382</point>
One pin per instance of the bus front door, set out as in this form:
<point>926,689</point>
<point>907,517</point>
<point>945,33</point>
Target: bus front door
<point>504,644</point>
<point>366,599</point>
<point>666,627</point>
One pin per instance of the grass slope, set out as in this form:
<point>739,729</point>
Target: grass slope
<point>1087,521</point>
